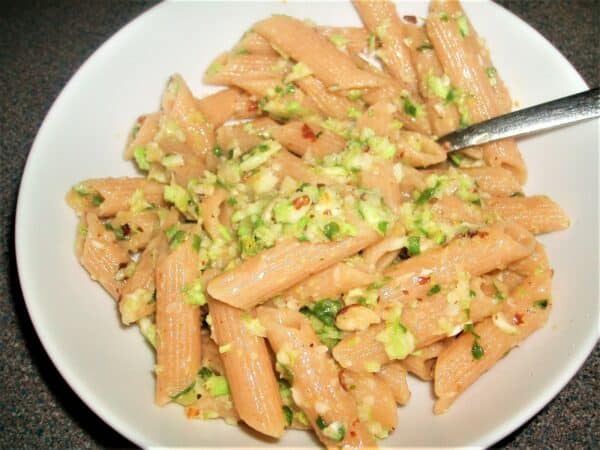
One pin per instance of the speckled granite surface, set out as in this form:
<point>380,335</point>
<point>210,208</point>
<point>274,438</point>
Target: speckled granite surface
<point>41,45</point>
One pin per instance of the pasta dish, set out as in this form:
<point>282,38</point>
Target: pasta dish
<point>297,243</point>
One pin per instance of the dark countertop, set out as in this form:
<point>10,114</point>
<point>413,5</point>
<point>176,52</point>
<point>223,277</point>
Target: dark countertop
<point>41,46</point>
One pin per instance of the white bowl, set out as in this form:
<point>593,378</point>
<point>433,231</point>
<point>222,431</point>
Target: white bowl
<point>83,136</point>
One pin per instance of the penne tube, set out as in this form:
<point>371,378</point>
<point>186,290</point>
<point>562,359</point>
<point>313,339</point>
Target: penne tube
<point>178,343</point>
<point>429,320</point>
<point>284,163</point>
<point>375,401</point>
<point>472,354</point>
<point>138,298</point>
<point>330,104</point>
<point>143,131</point>
<point>234,68</point>
<point>253,43</point>
<point>443,114</point>
<point>184,121</point>
<point>227,104</point>
<point>381,19</point>
<point>538,213</point>
<point>210,210</point>
<point>101,256</point>
<point>417,150</point>
<point>316,387</point>
<point>273,271</point>
<point>380,178</point>
<point>491,248</point>
<point>394,374</point>
<point>330,283</point>
<point>352,39</point>
<point>248,368</point>
<point>105,197</point>
<point>306,45</point>
<point>303,138</point>
<point>460,63</point>
<point>534,263</point>
<point>495,181</point>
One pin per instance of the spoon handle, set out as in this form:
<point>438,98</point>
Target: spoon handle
<point>566,110</point>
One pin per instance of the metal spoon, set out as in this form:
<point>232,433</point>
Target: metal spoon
<point>566,110</point>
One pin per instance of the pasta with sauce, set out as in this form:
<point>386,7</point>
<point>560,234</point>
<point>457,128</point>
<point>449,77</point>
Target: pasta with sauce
<point>299,242</point>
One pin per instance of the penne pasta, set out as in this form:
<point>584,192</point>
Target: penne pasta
<point>178,343</point>
<point>248,367</point>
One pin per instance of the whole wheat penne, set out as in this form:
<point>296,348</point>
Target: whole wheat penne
<point>418,150</point>
<point>306,45</point>
<point>492,247</point>
<point>330,283</point>
<point>274,270</point>
<point>178,343</point>
<point>316,387</point>
<point>461,65</point>
<point>210,211</point>
<point>304,138</point>
<point>374,399</point>
<point>429,320</point>
<point>380,178</point>
<point>538,213</point>
<point>381,19</point>
<point>330,104</point>
<point>245,67</point>
<point>534,263</point>
<point>443,114</point>
<point>394,374</point>
<point>472,354</point>
<point>227,104</point>
<point>182,113</point>
<point>476,45</point>
<point>352,39</point>
<point>143,131</point>
<point>101,256</point>
<point>495,181</point>
<point>137,228</point>
<point>285,164</point>
<point>253,43</point>
<point>138,298</point>
<point>105,197</point>
<point>249,370</point>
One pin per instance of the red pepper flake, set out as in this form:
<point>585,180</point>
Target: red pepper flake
<point>252,107</point>
<point>126,230</point>
<point>353,433</point>
<point>471,233</point>
<point>299,202</point>
<point>423,280</point>
<point>410,19</point>
<point>482,234</point>
<point>192,412</point>
<point>518,319</point>
<point>308,133</point>
<point>404,291</point>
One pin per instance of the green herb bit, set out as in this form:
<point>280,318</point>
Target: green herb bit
<point>422,48</point>
<point>541,304</point>
<point>97,200</point>
<point>463,25</point>
<point>414,245</point>
<point>139,154</point>
<point>330,230</point>
<point>218,151</point>
<point>427,194</point>
<point>288,415</point>
<point>412,109</point>
<point>321,423</point>
<point>372,42</point>
<point>477,350</point>
<point>456,159</point>
<point>444,16</point>
<point>325,310</point>
<point>196,241</point>
<point>435,289</point>
<point>472,293</point>
<point>205,373</point>
<point>382,226</point>
<point>517,194</point>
